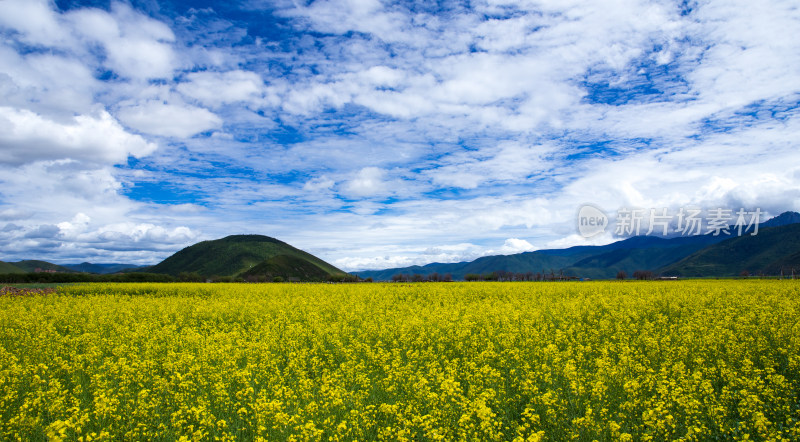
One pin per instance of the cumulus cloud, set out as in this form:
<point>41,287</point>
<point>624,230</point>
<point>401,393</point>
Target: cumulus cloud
<point>404,135</point>
<point>136,46</point>
<point>217,88</point>
<point>27,137</point>
<point>169,120</point>
<point>46,83</point>
<point>516,245</point>
<point>318,184</point>
<point>35,21</point>
<point>367,182</point>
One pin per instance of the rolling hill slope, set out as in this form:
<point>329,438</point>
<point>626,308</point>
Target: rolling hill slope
<point>768,252</point>
<point>30,266</point>
<point>7,267</point>
<point>246,255</point>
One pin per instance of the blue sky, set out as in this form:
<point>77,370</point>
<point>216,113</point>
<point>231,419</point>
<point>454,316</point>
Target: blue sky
<point>381,134</point>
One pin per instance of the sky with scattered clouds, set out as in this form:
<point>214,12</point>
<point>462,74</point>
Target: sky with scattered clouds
<point>379,134</point>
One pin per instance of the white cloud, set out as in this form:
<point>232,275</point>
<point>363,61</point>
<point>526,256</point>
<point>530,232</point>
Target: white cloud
<point>366,16</point>
<point>487,124</point>
<point>322,183</point>
<point>136,46</point>
<point>503,162</point>
<point>169,120</point>
<point>27,137</point>
<point>46,83</point>
<point>217,88</point>
<point>368,182</point>
<point>516,245</point>
<point>34,20</point>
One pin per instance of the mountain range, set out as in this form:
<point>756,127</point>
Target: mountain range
<point>771,250</point>
<point>775,249</point>
<point>31,266</point>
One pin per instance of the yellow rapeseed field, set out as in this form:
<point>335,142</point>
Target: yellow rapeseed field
<point>690,360</point>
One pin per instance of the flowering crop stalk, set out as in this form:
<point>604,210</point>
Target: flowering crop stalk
<point>697,360</point>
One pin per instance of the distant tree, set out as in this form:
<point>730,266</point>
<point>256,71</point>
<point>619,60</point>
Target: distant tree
<point>434,277</point>
<point>369,279</point>
<point>190,277</point>
<point>622,275</point>
<point>417,278</point>
<point>447,277</point>
<point>473,277</point>
<point>397,278</point>
<point>643,275</point>
<point>343,277</point>
<point>744,273</point>
<point>503,275</point>
<point>277,279</point>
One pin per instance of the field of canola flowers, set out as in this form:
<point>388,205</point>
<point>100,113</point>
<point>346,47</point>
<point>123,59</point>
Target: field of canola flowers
<point>691,360</point>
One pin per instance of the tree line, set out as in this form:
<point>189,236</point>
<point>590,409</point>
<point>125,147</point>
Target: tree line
<point>498,275</point>
<point>43,278</point>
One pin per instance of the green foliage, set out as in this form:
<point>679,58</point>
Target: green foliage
<point>190,277</point>
<point>343,277</point>
<point>252,257</point>
<point>51,278</point>
<point>770,251</point>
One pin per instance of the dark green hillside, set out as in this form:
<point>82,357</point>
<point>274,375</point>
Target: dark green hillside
<point>7,267</point>
<point>788,265</point>
<point>607,265</point>
<point>770,251</point>
<point>30,266</point>
<point>237,255</point>
<point>287,267</point>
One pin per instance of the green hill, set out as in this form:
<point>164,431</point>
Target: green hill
<point>246,255</point>
<point>287,267</point>
<point>31,265</point>
<point>772,250</point>
<point>7,267</point>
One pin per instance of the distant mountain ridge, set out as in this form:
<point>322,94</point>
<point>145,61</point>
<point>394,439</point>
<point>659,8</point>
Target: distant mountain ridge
<point>598,262</point>
<point>101,269</point>
<point>776,248</point>
<point>32,266</point>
